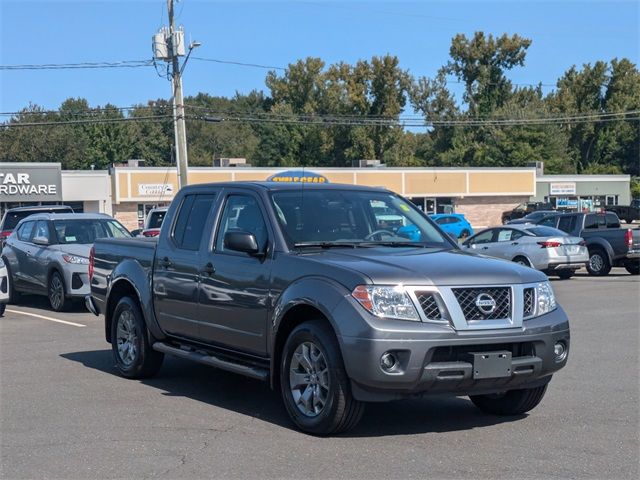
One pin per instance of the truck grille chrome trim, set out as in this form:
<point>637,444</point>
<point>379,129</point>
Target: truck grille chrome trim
<point>529,307</point>
<point>429,305</point>
<point>492,303</point>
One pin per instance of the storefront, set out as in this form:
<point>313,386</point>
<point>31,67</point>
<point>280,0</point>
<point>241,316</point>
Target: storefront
<point>26,184</point>
<point>583,192</point>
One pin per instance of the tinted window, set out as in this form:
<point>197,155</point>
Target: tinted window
<point>191,221</point>
<point>593,220</point>
<point>42,230</point>
<point>567,224</point>
<point>442,220</point>
<point>483,237</point>
<point>155,219</point>
<point>546,232</point>
<point>87,230</point>
<point>549,221</point>
<point>242,213</point>
<point>24,234</point>
<point>454,220</point>
<point>13,218</point>
<point>612,220</point>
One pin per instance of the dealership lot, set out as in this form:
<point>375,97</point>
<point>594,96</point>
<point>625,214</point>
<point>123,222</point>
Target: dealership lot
<point>65,413</point>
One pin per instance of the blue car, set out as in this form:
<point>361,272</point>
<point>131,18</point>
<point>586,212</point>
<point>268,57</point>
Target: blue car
<point>454,223</point>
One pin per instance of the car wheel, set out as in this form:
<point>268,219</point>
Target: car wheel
<point>130,345</point>
<point>3,307</point>
<point>565,274</point>
<point>513,402</point>
<point>314,384</point>
<point>522,261</point>
<point>464,234</point>
<point>633,267</point>
<point>14,295</point>
<point>598,264</point>
<point>57,293</point>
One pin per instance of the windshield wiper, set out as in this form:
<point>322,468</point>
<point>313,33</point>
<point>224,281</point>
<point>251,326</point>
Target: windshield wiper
<point>392,244</point>
<point>325,244</point>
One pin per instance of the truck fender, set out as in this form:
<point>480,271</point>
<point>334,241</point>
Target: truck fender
<point>131,272</point>
<point>603,243</point>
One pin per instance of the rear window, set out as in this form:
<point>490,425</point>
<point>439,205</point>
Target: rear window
<point>13,218</point>
<point>546,232</point>
<point>156,219</point>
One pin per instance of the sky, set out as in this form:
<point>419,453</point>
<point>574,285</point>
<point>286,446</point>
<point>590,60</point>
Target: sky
<point>564,33</point>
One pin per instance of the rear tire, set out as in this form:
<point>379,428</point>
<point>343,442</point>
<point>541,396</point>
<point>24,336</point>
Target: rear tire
<point>3,307</point>
<point>513,402</point>
<point>130,345</point>
<point>598,264</point>
<point>633,267</point>
<point>321,404</point>
<point>565,274</point>
<point>57,292</point>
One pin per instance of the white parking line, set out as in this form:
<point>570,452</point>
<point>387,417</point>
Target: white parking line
<point>45,318</point>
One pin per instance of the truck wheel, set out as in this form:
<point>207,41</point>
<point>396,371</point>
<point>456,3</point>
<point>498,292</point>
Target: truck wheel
<point>565,274</point>
<point>314,384</point>
<point>130,343</point>
<point>57,293</point>
<point>598,264</point>
<point>633,267</point>
<point>513,402</point>
<point>3,307</point>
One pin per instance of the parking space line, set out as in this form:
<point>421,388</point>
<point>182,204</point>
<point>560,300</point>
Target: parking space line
<point>73,324</point>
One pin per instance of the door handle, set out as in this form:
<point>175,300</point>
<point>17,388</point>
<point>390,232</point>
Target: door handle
<point>208,269</point>
<point>165,262</point>
<point>514,243</point>
<point>485,248</point>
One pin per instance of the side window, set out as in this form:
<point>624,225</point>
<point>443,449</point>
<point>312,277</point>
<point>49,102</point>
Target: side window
<point>442,220</point>
<point>454,220</point>
<point>516,234</point>
<point>612,220</point>
<point>567,224</point>
<point>593,221</point>
<point>484,237</point>
<point>24,234</point>
<point>242,212</point>
<point>42,230</point>
<point>504,235</point>
<point>191,220</point>
<point>548,222</point>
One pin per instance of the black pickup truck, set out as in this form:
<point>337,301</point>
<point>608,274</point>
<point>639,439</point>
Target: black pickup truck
<point>628,213</point>
<point>306,287</point>
<point>609,245</point>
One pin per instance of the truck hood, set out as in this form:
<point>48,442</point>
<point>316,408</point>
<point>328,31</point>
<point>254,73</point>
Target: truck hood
<point>419,266</point>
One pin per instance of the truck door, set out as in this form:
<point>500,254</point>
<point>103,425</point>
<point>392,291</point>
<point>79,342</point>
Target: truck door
<point>234,286</point>
<point>177,266</point>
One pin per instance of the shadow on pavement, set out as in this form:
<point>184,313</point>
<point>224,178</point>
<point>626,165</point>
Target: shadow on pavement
<point>221,389</point>
<point>42,302</point>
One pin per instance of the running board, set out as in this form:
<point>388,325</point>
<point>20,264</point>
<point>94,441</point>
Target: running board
<point>246,370</point>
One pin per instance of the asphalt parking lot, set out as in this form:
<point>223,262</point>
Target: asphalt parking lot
<point>66,414</point>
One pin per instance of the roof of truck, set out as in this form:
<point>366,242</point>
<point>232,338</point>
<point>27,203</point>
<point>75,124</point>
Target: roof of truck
<point>288,186</point>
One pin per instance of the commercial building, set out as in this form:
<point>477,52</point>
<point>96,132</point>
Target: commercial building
<point>580,192</point>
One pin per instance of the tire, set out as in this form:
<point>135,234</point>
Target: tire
<point>339,411</point>
<point>464,234</point>
<point>57,292</point>
<point>522,261</point>
<point>513,402</point>
<point>565,274</point>
<point>130,345</point>
<point>633,267</point>
<point>3,307</point>
<point>598,264</point>
<point>14,295</point>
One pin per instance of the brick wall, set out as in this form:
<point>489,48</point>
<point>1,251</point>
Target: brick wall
<point>127,214</point>
<point>486,211</point>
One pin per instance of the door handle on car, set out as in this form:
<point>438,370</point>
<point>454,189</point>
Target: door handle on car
<point>165,262</point>
<point>485,248</point>
<point>208,269</point>
<point>514,243</point>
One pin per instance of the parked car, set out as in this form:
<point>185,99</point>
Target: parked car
<point>48,254</point>
<point>4,287</point>
<point>304,290</point>
<point>532,217</point>
<point>453,223</point>
<point>609,245</point>
<point>153,222</point>
<point>628,213</point>
<point>13,216</point>
<point>543,248</point>
<point>524,209</point>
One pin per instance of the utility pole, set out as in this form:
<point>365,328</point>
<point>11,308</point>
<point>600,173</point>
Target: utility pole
<point>179,128</point>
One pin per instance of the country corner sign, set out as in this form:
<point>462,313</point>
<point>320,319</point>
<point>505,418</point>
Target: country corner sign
<point>297,176</point>
<point>30,182</point>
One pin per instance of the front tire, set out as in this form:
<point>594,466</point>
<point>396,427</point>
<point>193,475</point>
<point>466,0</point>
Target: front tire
<point>132,352</point>
<point>57,292</point>
<point>598,264</point>
<point>314,385</point>
<point>565,274</point>
<point>513,402</point>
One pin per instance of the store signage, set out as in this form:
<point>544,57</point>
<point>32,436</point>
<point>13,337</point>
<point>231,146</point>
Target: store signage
<point>298,176</point>
<point>30,182</point>
<point>155,189</point>
<point>565,188</point>
<point>567,203</point>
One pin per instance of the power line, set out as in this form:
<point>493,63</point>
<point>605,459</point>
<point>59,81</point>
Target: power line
<point>80,65</point>
<point>240,64</point>
<point>86,121</point>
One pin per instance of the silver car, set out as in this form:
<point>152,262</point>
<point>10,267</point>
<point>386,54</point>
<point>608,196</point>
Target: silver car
<point>543,248</point>
<point>49,254</point>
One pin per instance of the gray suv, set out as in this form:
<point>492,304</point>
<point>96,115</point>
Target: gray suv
<point>48,254</point>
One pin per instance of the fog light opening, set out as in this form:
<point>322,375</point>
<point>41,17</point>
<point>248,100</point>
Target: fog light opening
<point>560,351</point>
<point>388,361</point>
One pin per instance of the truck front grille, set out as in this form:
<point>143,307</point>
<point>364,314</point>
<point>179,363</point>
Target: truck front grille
<point>460,353</point>
<point>429,305</point>
<point>471,299</point>
<point>529,305</point>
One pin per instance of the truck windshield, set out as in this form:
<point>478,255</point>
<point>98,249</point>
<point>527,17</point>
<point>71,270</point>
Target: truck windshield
<point>87,230</point>
<point>353,218</point>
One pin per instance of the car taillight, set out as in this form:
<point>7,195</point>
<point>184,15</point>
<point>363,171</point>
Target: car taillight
<point>549,244</point>
<point>91,262</point>
<point>628,238</point>
<point>151,233</point>
<point>5,234</point>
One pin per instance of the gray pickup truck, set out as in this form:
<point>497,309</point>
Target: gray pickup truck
<point>303,286</point>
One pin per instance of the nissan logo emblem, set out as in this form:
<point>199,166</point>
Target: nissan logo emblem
<point>485,303</point>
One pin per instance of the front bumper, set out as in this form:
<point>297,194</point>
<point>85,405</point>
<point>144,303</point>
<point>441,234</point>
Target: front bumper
<point>4,285</point>
<point>77,280</point>
<point>437,359</point>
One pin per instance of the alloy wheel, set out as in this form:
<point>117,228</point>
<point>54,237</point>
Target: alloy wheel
<point>56,292</point>
<point>596,262</point>
<point>127,338</point>
<point>309,379</point>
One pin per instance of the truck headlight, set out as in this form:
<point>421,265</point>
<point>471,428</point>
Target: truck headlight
<point>386,302</point>
<point>546,298</point>
<point>75,259</point>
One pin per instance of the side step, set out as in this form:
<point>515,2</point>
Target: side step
<point>246,370</point>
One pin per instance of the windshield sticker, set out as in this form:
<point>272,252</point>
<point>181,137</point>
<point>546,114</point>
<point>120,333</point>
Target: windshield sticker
<point>404,207</point>
<point>69,239</point>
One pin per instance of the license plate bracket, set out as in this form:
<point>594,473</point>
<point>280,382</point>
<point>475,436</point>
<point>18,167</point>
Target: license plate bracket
<point>491,364</point>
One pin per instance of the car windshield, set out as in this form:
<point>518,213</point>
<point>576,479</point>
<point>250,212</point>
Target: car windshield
<point>13,218</point>
<point>353,218</point>
<point>86,231</point>
<point>546,232</point>
<point>156,218</point>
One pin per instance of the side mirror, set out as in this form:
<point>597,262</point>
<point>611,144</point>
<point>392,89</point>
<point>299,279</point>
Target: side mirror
<point>241,241</point>
<point>42,241</point>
